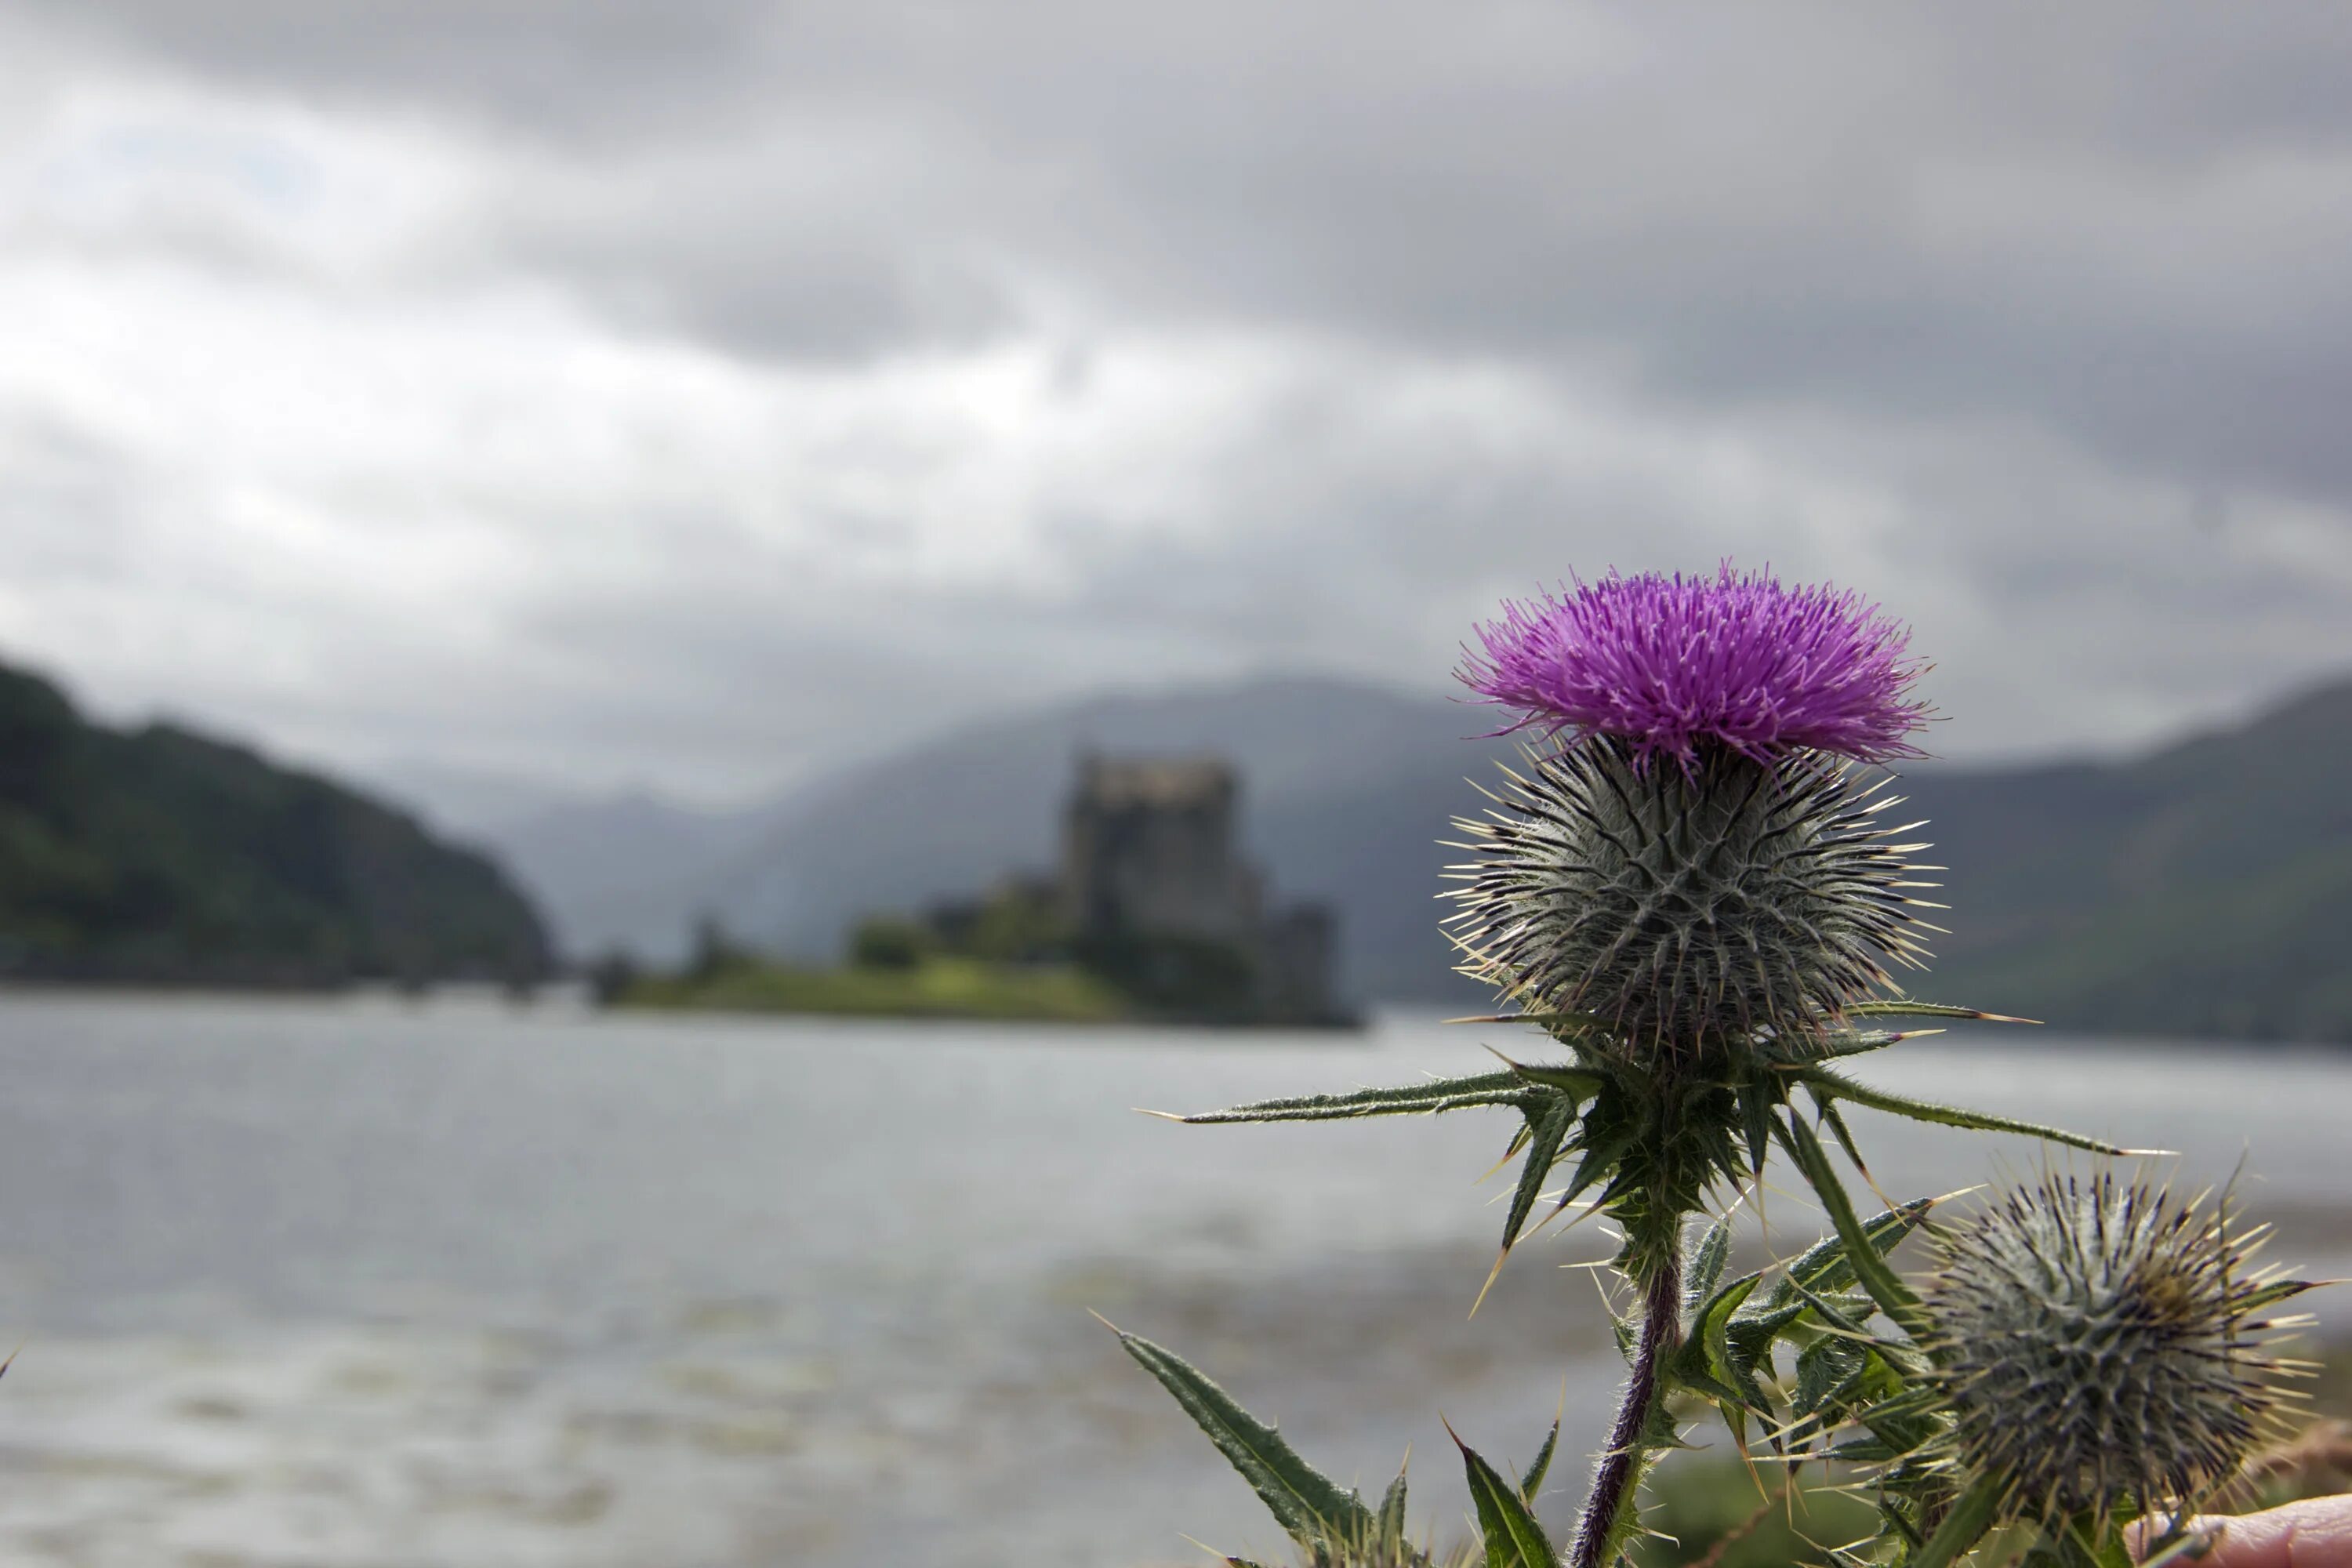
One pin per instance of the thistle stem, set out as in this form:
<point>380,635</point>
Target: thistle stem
<point>1599,1530</point>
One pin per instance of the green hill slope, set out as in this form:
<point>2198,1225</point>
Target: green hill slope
<point>2206,890</point>
<point>159,855</point>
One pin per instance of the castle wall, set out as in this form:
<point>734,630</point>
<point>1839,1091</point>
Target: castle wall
<point>1148,847</point>
<point>1151,848</point>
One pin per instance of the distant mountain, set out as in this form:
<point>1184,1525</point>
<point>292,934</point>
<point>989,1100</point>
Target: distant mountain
<point>634,873</point>
<point>158,854</point>
<point>462,803</point>
<point>2204,889</point>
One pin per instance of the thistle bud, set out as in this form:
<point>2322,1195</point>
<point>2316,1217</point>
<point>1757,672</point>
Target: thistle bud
<point>1696,862</point>
<point>2100,1342</point>
<point>1686,908</point>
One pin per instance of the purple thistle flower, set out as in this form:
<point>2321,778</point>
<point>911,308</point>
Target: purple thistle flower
<point>1668,662</point>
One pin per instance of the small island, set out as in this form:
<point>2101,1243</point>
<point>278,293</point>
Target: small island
<point>1153,916</point>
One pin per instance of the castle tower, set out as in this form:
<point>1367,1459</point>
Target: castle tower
<point>1148,846</point>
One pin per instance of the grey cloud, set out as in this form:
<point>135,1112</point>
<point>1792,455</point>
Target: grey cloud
<point>2057,297</point>
<point>2126,230</point>
<point>70,500</point>
<point>850,239</point>
<point>2120,222</point>
<point>2086,228</point>
<point>697,647</point>
<point>580,70</point>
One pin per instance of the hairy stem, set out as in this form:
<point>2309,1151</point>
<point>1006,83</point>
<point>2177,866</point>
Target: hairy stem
<point>1599,1530</point>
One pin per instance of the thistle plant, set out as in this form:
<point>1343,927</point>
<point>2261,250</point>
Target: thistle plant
<point>1688,886</point>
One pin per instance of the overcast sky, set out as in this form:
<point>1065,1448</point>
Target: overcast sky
<point>691,392</point>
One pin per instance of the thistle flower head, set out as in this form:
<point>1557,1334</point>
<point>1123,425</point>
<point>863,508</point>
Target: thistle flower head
<point>1686,909</point>
<point>1671,663</point>
<point>2101,1341</point>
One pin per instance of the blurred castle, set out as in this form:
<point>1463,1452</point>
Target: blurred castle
<point>1153,879</point>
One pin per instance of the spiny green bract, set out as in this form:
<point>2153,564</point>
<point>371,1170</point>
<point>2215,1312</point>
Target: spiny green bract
<point>1686,911</point>
<point>2098,1342</point>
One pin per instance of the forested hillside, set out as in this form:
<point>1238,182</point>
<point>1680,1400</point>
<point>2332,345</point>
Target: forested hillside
<point>2205,889</point>
<point>158,856</point>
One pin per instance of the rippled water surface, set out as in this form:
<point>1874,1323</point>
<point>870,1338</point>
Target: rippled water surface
<point>372,1284</point>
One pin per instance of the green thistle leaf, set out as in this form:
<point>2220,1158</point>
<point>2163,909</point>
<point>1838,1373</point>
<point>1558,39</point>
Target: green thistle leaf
<point>1565,1027</point>
<point>1845,1314</point>
<point>1390,1527</point>
<point>1756,1102</point>
<point>1885,1286</point>
<point>1514,1538</point>
<point>1842,1132</point>
<point>1862,1451</point>
<point>1532,1482</point>
<point>1907,1009</point>
<point>1856,1042</point>
<point>1706,1270</point>
<point>1603,1147</point>
<point>1407,1100</point>
<point>1830,1084</point>
<point>1818,1273</point>
<point>1706,1362</point>
<point>1825,1369</point>
<point>1909,1402</point>
<point>1715,1323</point>
<point>1545,1137</point>
<point>1307,1503</point>
<point>1729,1401</point>
<point>1577,1082</point>
<point>1824,1267</point>
<point>1962,1528</point>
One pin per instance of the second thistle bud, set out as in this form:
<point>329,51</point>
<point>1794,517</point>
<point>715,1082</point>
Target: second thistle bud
<point>2101,1342</point>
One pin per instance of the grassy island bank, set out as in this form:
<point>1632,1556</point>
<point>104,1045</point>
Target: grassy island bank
<point>934,988</point>
<point>1003,969</point>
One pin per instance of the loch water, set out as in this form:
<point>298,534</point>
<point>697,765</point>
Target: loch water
<point>384,1283</point>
